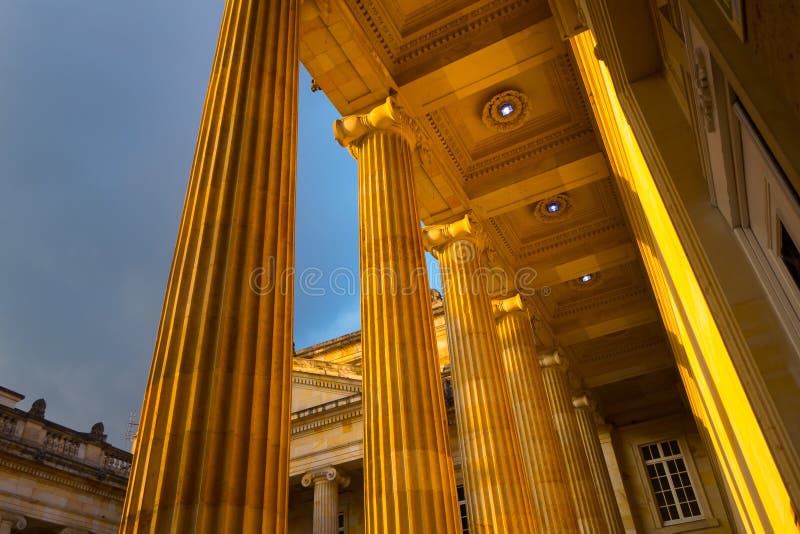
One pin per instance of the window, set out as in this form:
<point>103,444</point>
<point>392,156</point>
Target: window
<point>462,508</point>
<point>790,255</point>
<point>675,497</point>
<point>341,524</point>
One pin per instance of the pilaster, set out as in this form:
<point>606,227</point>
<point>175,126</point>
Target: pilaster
<point>498,495</point>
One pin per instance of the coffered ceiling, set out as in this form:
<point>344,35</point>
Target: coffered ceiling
<point>446,60</point>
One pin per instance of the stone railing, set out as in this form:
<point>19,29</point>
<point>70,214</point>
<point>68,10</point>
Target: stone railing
<point>58,442</point>
<point>118,463</point>
<point>8,425</point>
<point>33,436</point>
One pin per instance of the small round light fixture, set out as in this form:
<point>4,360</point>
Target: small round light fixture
<point>553,207</point>
<point>506,109</point>
<point>586,278</point>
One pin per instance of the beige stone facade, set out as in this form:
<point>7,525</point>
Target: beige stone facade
<point>55,480</point>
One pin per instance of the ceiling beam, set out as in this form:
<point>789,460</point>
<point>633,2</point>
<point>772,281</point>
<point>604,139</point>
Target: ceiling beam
<point>489,66</point>
<point>644,364</point>
<point>608,325</point>
<point>549,276</point>
<point>540,186</point>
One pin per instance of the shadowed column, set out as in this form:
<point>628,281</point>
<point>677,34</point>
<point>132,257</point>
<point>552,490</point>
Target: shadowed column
<point>590,515</point>
<point>498,496</point>
<point>409,485</point>
<point>597,463</point>
<point>212,452</point>
<point>327,482</point>
<point>541,449</point>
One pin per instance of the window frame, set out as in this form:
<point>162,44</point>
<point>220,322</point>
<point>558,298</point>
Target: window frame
<point>706,519</point>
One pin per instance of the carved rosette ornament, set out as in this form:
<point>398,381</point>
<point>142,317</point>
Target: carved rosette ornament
<point>505,111</point>
<point>544,209</point>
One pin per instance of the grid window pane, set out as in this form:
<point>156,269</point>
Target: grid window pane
<point>672,488</point>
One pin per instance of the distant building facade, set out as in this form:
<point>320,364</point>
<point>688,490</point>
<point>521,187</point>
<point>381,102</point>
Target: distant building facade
<point>56,480</point>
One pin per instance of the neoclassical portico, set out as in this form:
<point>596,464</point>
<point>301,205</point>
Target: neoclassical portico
<point>516,105</point>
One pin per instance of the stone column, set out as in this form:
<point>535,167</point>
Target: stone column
<point>9,522</point>
<point>212,451</point>
<point>409,485</point>
<point>541,449</point>
<point>584,495</point>
<point>597,464</point>
<point>327,482</point>
<point>498,495</point>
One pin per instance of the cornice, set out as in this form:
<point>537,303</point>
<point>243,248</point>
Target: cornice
<point>340,384</point>
<point>51,475</point>
<point>571,236</point>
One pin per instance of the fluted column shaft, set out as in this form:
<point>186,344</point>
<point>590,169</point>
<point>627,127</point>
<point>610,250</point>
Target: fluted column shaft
<point>584,495</point>
<point>541,448</point>
<point>409,484</point>
<point>212,451</point>
<point>497,491</point>
<point>326,482</point>
<point>597,464</point>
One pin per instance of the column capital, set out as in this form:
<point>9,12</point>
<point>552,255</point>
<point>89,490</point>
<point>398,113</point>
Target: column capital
<point>555,360</point>
<point>508,305</point>
<point>467,228</point>
<point>583,402</point>
<point>13,520</point>
<point>388,116</point>
<point>325,474</point>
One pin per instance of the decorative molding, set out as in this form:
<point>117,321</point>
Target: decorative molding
<point>571,237</point>
<point>61,480</point>
<point>327,383</point>
<point>594,302</point>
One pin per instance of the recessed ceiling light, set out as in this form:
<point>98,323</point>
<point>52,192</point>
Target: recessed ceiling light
<point>506,109</point>
<point>553,207</point>
<point>586,278</point>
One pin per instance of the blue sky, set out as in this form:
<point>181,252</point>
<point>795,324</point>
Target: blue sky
<point>100,102</point>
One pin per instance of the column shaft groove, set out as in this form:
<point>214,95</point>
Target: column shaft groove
<point>212,450</point>
<point>498,495</point>
<point>408,467</point>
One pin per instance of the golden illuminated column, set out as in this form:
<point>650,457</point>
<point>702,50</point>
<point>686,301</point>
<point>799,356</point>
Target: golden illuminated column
<point>212,451</point>
<point>541,449</point>
<point>409,485</point>
<point>498,495</point>
<point>584,494</point>
<point>327,482</point>
<point>597,463</point>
